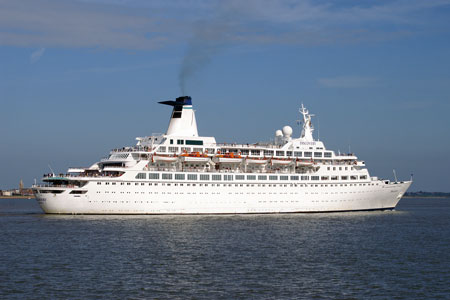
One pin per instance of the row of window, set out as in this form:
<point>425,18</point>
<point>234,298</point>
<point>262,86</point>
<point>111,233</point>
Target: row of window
<point>236,185</point>
<point>340,168</point>
<point>254,152</point>
<point>226,177</point>
<point>279,153</point>
<point>187,142</point>
<point>119,156</point>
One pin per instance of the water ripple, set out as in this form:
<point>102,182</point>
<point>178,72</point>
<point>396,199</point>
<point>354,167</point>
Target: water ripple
<point>403,254</point>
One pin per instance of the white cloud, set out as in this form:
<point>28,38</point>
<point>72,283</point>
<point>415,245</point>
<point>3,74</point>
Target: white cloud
<point>348,82</point>
<point>36,55</point>
<point>324,13</point>
<point>72,24</point>
<point>139,24</point>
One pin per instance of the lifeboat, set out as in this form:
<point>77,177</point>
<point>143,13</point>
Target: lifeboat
<point>281,161</point>
<point>194,157</point>
<point>256,161</point>
<point>229,158</point>
<point>164,158</point>
<point>304,163</point>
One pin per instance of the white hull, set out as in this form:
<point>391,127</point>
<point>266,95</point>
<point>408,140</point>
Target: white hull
<point>222,199</point>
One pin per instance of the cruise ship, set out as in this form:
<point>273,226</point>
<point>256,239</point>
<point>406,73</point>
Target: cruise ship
<point>181,172</point>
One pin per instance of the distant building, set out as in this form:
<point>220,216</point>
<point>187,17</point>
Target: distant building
<point>17,192</point>
<point>26,192</point>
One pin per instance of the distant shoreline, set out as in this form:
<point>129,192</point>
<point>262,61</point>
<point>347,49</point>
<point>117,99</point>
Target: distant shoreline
<point>17,197</point>
<point>422,194</point>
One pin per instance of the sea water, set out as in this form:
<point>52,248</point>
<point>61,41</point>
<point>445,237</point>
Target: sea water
<point>401,254</point>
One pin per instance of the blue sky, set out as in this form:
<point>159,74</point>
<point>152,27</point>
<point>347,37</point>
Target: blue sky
<point>78,78</point>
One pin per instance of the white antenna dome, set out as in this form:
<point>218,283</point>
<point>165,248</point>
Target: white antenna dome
<point>287,131</point>
<point>278,133</point>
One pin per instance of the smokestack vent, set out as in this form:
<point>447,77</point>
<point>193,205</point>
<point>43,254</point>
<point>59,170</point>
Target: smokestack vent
<point>182,122</point>
<point>180,101</point>
<point>184,100</point>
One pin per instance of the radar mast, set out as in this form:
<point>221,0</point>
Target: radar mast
<point>307,125</point>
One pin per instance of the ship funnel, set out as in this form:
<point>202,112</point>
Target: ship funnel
<point>182,121</point>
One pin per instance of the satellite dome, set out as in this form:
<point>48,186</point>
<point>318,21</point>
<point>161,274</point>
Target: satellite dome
<point>287,131</point>
<point>278,133</point>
